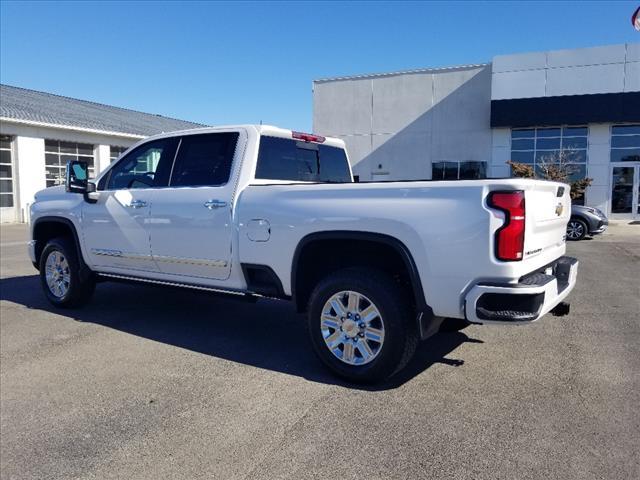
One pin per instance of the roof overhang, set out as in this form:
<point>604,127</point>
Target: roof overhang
<point>95,131</point>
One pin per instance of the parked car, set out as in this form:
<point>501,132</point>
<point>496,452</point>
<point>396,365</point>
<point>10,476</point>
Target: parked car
<point>258,211</point>
<point>585,221</point>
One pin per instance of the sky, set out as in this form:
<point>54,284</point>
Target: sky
<point>245,62</point>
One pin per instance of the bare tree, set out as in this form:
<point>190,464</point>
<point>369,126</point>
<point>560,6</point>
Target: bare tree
<point>559,166</point>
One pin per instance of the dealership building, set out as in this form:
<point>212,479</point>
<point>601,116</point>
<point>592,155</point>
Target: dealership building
<point>468,121</point>
<point>40,132</point>
<point>443,123</point>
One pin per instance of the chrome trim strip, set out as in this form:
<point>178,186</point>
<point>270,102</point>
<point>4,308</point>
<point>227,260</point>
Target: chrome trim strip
<point>106,252</point>
<point>191,261</point>
<point>117,253</point>
<point>160,258</point>
<point>137,256</point>
<point>172,284</point>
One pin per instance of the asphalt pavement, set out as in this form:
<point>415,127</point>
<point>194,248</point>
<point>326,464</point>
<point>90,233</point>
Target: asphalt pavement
<point>151,383</point>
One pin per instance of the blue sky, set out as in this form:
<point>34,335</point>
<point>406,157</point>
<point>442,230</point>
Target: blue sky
<point>220,63</point>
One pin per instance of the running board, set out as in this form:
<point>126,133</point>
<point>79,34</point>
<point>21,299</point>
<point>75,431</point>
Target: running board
<point>237,294</point>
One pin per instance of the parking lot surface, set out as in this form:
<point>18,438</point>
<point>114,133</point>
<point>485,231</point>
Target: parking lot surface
<point>147,382</point>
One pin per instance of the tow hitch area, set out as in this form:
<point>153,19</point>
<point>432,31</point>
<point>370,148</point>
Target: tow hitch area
<point>561,309</point>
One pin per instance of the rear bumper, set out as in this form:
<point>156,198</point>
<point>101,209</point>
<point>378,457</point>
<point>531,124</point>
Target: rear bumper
<point>526,301</point>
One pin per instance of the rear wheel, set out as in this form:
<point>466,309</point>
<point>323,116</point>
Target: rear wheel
<point>360,325</point>
<point>576,229</point>
<point>60,275</point>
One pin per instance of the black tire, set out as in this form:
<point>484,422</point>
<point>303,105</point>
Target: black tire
<point>454,324</point>
<point>576,229</point>
<point>79,289</point>
<point>400,330</point>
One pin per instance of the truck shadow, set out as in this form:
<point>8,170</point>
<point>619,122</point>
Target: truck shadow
<point>269,334</point>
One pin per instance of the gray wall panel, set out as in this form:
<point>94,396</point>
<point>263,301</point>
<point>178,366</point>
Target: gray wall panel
<point>566,72</point>
<point>407,129</point>
<point>524,61</point>
<point>399,100</point>
<point>633,52</point>
<point>404,156</point>
<point>462,100</point>
<point>523,84</point>
<point>342,107</point>
<point>585,80</point>
<point>632,77</point>
<point>586,56</point>
<point>358,148</point>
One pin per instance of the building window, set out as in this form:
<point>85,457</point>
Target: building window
<point>57,154</point>
<point>625,143</point>
<point>537,146</point>
<point>115,152</point>
<point>458,170</point>
<point>6,172</point>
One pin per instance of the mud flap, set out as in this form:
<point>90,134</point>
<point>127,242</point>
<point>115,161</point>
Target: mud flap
<point>428,323</point>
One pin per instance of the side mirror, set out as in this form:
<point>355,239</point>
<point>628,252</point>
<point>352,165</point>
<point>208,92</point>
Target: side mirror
<point>77,179</point>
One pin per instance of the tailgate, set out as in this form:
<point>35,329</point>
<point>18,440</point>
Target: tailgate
<point>548,209</point>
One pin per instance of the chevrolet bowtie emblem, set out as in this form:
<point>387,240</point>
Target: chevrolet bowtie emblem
<point>559,209</point>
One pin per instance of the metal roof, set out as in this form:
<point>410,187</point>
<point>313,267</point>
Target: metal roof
<point>43,108</point>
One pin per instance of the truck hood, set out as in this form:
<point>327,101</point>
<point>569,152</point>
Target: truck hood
<point>58,191</point>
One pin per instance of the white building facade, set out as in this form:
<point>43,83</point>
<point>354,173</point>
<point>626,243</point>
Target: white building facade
<point>40,132</point>
<point>468,121</point>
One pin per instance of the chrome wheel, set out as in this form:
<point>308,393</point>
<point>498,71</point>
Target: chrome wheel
<point>352,328</point>
<point>57,274</point>
<point>575,230</point>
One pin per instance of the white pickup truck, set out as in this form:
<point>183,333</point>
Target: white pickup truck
<point>257,211</point>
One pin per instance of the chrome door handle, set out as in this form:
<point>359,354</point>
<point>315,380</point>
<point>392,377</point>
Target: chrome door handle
<point>137,204</point>
<point>213,204</point>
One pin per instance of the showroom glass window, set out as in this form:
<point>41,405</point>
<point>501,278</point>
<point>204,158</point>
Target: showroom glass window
<point>6,172</point>
<point>535,146</point>
<point>115,152</point>
<point>625,143</point>
<point>458,170</point>
<point>58,153</point>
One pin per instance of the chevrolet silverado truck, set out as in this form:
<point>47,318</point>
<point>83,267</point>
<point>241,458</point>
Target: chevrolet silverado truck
<point>258,211</point>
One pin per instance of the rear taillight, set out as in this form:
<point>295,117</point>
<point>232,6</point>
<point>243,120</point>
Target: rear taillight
<point>308,137</point>
<point>509,237</point>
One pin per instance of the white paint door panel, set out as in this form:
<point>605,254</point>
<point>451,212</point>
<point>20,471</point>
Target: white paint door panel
<point>188,237</point>
<point>191,220</point>
<point>115,230</point>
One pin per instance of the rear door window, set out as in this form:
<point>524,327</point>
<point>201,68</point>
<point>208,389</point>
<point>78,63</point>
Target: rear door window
<point>204,160</point>
<point>288,159</point>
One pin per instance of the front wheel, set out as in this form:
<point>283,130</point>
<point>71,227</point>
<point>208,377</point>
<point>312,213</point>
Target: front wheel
<point>576,229</point>
<point>60,275</point>
<point>360,325</point>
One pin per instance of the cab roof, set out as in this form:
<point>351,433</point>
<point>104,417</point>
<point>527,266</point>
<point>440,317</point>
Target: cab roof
<point>266,130</point>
